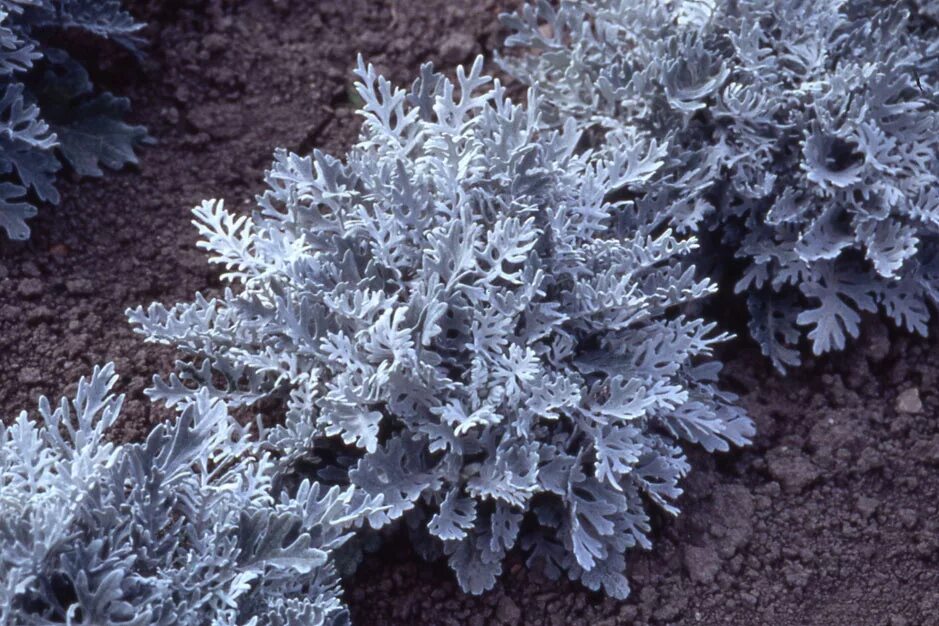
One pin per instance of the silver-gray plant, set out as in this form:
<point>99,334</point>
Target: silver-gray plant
<point>186,528</point>
<point>466,318</point>
<point>805,131</point>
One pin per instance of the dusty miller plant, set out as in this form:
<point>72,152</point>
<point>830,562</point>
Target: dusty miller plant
<point>49,111</point>
<point>460,317</point>
<point>187,528</point>
<point>805,132</point>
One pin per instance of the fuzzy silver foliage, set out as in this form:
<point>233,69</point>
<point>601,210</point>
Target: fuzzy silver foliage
<point>462,318</point>
<point>805,131</point>
<point>49,112</point>
<point>186,528</point>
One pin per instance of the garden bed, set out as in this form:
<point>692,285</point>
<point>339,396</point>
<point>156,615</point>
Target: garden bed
<point>830,518</point>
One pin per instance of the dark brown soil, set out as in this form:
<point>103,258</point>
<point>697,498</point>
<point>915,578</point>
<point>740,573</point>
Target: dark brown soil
<point>830,518</point>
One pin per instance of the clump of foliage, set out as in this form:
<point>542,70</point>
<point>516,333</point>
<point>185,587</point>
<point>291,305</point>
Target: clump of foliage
<point>470,319</point>
<point>49,111</point>
<point>187,528</point>
<point>805,131</point>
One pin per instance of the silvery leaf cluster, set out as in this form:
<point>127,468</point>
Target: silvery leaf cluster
<point>804,133</point>
<point>467,317</point>
<point>188,527</point>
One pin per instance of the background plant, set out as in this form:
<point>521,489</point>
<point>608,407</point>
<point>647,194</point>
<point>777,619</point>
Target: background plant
<point>189,527</point>
<point>463,319</point>
<point>804,132</point>
<point>49,111</point>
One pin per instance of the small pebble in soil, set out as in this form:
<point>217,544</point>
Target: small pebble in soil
<point>909,402</point>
